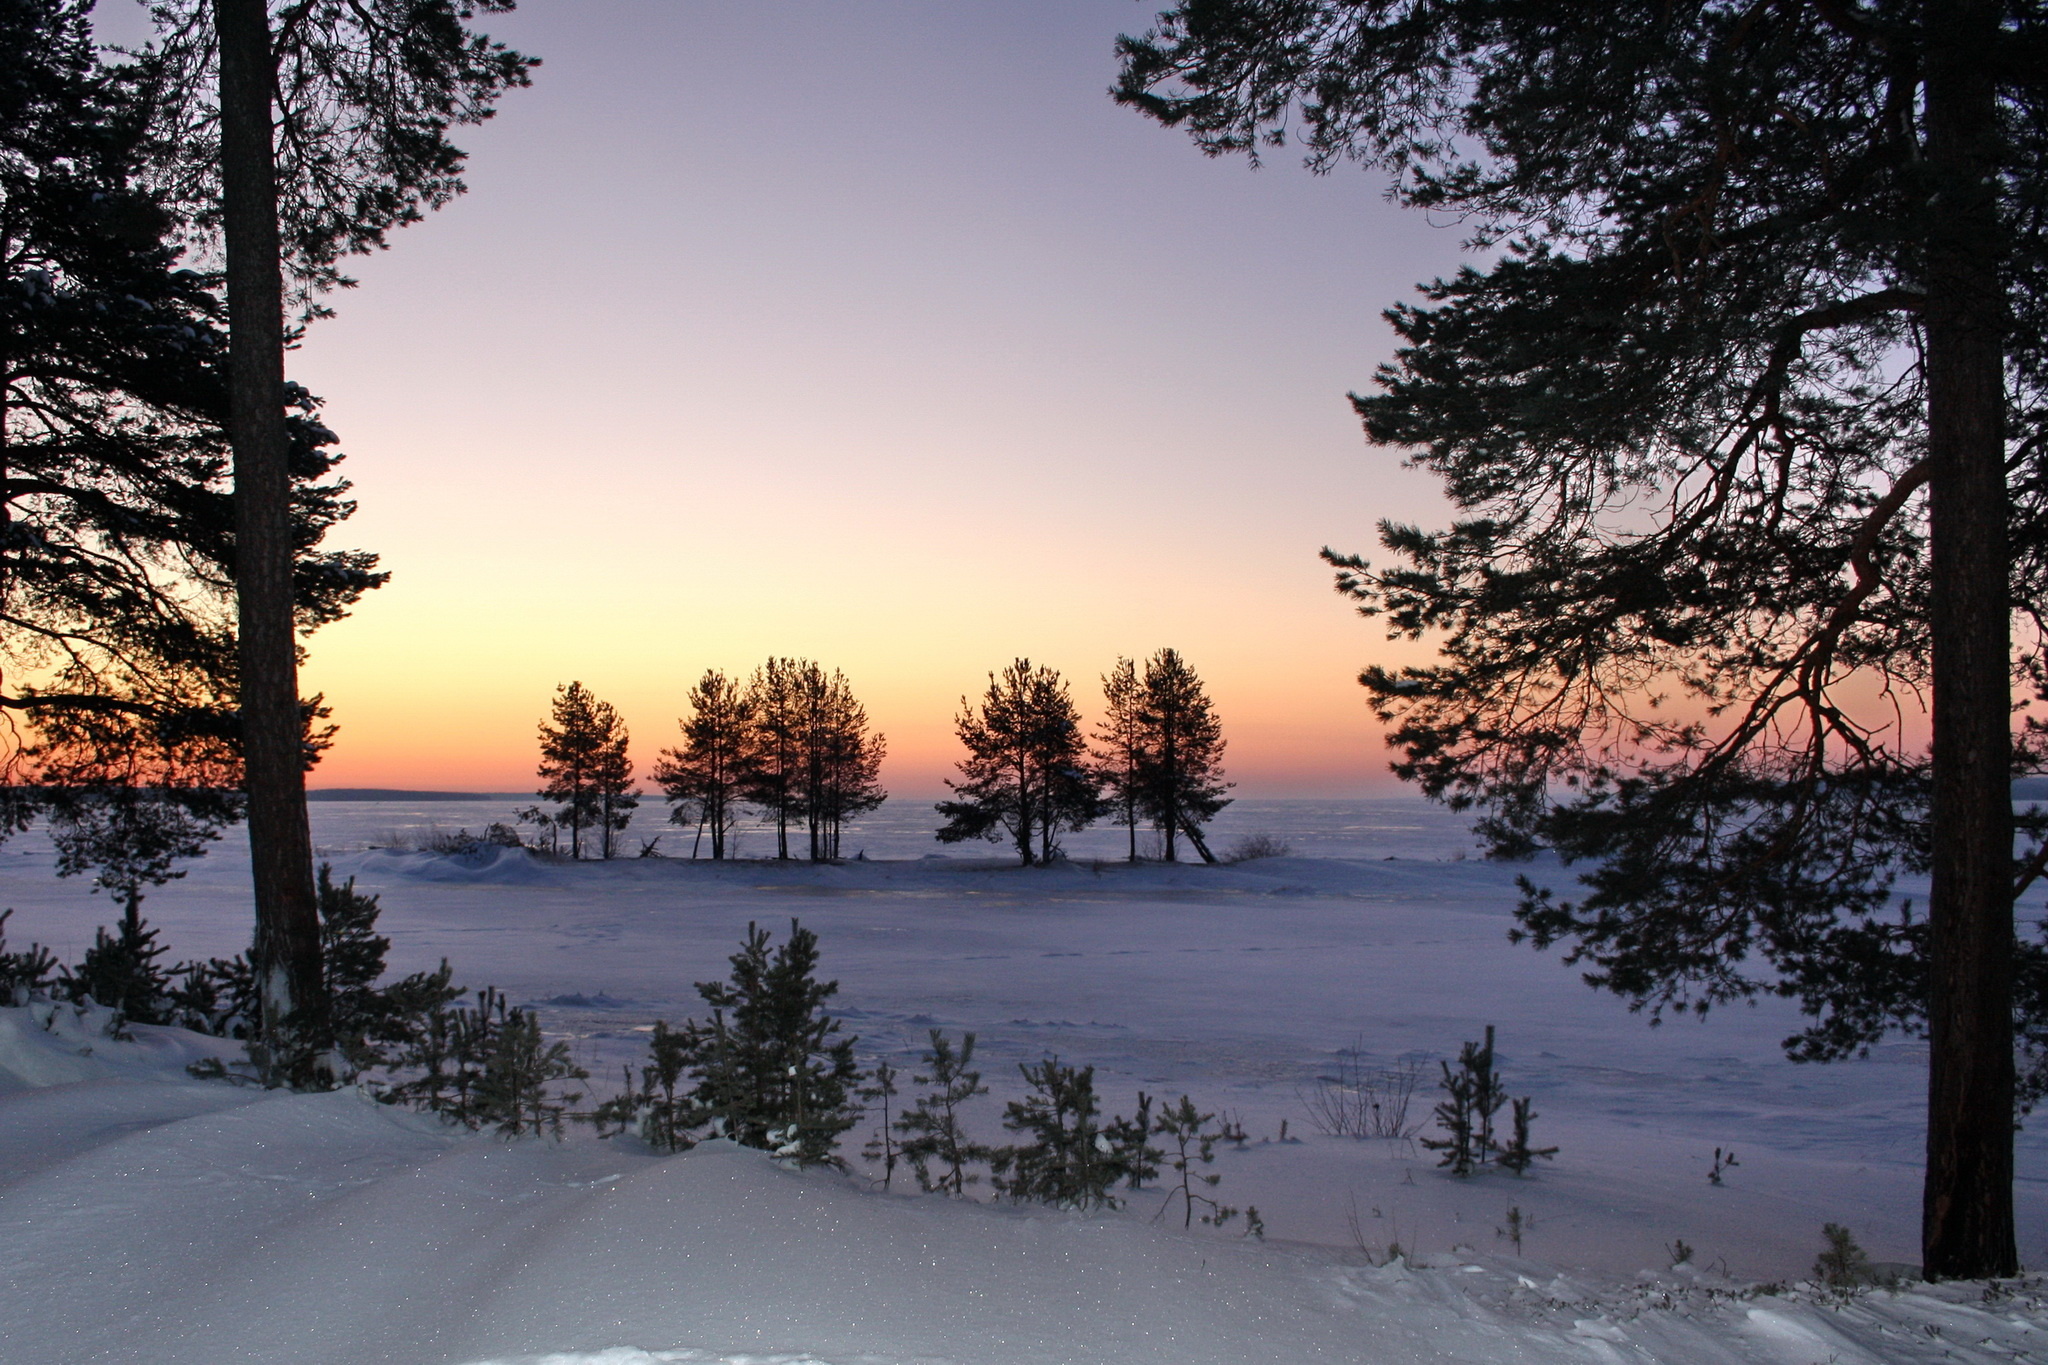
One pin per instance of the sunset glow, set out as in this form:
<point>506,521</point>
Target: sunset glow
<point>879,337</point>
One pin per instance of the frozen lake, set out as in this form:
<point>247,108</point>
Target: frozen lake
<point>1378,939</point>
<point>1396,826</point>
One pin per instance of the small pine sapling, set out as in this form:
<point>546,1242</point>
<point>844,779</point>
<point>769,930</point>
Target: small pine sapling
<point>1072,1161</point>
<point>934,1140</point>
<point>488,1067</point>
<point>661,1110</point>
<point>373,1025</point>
<point>218,996</point>
<point>1723,1162</point>
<point>883,1147</point>
<point>878,1092</point>
<point>765,1071</point>
<point>1519,1155</point>
<point>1842,1264</point>
<point>120,971</point>
<point>23,974</point>
<point>517,1091</point>
<point>1473,1094</point>
<point>1191,1144</point>
<point>621,1113</point>
<point>771,1074</point>
<point>1466,1128</point>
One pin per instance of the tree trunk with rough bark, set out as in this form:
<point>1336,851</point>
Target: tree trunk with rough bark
<point>1967,1223</point>
<point>287,946</point>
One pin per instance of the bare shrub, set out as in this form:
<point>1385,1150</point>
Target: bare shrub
<point>1255,846</point>
<point>1360,1101</point>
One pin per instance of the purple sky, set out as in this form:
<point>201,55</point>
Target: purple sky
<point>868,332</point>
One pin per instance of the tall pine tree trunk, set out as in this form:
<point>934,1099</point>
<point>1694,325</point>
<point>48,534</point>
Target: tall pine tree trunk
<point>1967,1221</point>
<point>287,947</point>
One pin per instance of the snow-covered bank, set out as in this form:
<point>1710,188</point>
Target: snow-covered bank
<point>145,1217</point>
<point>1237,985</point>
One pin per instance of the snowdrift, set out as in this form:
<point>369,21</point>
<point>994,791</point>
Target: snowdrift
<point>148,1217</point>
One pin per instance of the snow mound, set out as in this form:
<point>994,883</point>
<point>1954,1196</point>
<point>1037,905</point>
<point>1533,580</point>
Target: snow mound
<point>633,1355</point>
<point>46,1043</point>
<point>234,1226</point>
<point>492,864</point>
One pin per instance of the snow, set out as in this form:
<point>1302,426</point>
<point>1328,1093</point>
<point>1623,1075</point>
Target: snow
<point>145,1215</point>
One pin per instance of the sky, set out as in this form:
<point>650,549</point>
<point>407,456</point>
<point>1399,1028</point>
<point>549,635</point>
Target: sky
<point>870,332</point>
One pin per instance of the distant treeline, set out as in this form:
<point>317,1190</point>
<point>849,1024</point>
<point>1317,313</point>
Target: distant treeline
<point>396,794</point>
<point>792,747</point>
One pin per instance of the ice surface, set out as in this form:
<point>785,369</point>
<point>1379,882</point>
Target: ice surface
<point>146,1216</point>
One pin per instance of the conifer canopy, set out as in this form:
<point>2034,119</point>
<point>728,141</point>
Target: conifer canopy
<point>1743,420</point>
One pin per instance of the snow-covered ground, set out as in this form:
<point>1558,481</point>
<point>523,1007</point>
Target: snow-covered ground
<point>145,1216</point>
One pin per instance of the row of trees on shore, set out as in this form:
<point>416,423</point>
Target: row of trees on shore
<point>1031,774</point>
<point>793,745</point>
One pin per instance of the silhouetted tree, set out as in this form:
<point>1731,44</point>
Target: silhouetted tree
<point>1180,749</point>
<point>1120,752</point>
<point>126,808</point>
<point>583,765</point>
<point>775,779</point>
<point>116,523</point>
<point>613,777</point>
<point>1026,772</point>
<point>1745,409</point>
<point>707,777</point>
<point>290,148</point>
<point>842,762</point>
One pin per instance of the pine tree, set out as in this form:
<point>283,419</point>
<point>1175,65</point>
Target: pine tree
<point>706,778</point>
<point>23,972</point>
<point>584,765</point>
<point>766,1069</point>
<point>1072,1160</point>
<point>489,1066</point>
<point>374,1025</point>
<point>132,836</point>
<point>121,971</point>
<point>1026,772</point>
<point>1180,770</point>
<point>881,1092</point>
<point>613,779</point>
<point>296,147</point>
<point>775,781</point>
<point>1521,1153</point>
<point>841,760</point>
<point>1192,1145</point>
<point>1120,747</point>
<point>116,517</point>
<point>935,1141</point>
<point>1473,1095</point>
<point>1742,413</point>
